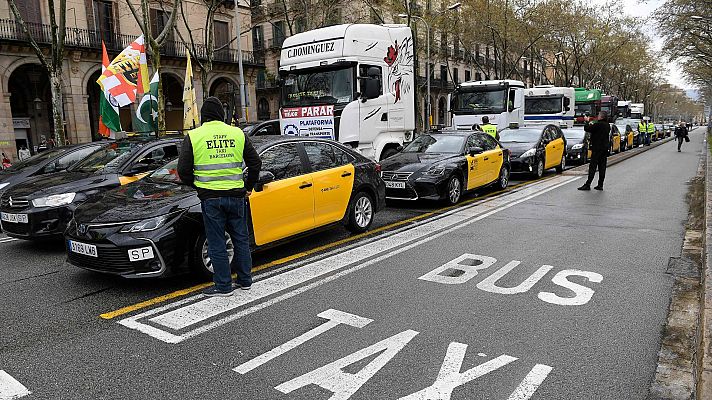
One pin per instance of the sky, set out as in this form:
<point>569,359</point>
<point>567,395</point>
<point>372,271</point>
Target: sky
<point>645,8</point>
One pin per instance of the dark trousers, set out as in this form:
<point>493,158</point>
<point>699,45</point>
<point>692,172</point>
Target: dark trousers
<point>221,215</point>
<point>680,139</point>
<point>599,160</point>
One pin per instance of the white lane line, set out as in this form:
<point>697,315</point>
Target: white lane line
<point>386,247</point>
<point>10,388</point>
<point>7,240</point>
<point>531,382</point>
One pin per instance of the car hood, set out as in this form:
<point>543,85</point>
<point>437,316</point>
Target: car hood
<point>62,182</point>
<point>517,148</point>
<point>412,162</point>
<point>139,200</point>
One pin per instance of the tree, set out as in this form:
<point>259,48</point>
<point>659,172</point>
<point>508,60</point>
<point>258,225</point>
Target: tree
<point>52,62</point>
<point>143,18</point>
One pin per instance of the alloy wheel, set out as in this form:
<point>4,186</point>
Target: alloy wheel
<point>540,169</point>
<point>207,263</point>
<point>503,178</point>
<point>363,211</point>
<point>454,190</point>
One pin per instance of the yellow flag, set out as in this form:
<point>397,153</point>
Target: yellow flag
<point>190,108</point>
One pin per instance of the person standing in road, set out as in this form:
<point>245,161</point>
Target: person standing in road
<point>599,132</point>
<point>681,133</point>
<point>213,159</point>
<point>650,131</point>
<point>489,128</point>
<point>643,131</point>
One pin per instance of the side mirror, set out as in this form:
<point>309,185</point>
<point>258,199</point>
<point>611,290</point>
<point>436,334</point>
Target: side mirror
<point>140,168</point>
<point>476,150</point>
<point>264,178</point>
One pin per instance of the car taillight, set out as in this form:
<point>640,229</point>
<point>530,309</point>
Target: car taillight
<point>378,168</point>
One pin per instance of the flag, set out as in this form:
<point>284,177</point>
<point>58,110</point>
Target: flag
<point>145,119</point>
<point>121,76</point>
<point>108,108</point>
<point>190,109</point>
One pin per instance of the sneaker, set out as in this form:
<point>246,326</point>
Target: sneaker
<point>214,292</point>
<point>236,286</point>
<point>585,187</point>
<point>599,188</point>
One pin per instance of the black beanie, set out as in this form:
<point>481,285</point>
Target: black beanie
<point>212,110</point>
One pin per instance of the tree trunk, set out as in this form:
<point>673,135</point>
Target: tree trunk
<point>55,80</point>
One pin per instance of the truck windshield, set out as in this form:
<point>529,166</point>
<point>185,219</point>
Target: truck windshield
<point>333,86</point>
<point>585,109</point>
<point>542,105</point>
<point>479,101</point>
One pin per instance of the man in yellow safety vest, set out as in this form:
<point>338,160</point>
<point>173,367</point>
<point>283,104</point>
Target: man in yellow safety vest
<point>213,160</point>
<point>489,128</point>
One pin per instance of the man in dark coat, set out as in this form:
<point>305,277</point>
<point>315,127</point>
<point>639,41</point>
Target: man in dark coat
<point>599,138</point>
<point>680,134</point>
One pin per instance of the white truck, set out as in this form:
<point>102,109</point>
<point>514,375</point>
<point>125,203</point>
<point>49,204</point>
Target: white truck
<point>637,110</point>
<point>502,101</point>
<point>547,104</point>
<point>353,83</point>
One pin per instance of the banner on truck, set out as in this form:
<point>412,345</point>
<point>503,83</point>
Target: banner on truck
<point>312,121</point>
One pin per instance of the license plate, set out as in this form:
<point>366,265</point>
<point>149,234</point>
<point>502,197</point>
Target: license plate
<point>143,253</point>
<point>83,248</point>
<point>14,218</point>
<point>395,185</point>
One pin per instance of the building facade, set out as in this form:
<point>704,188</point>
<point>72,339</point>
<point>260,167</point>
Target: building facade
<point>25,107</point>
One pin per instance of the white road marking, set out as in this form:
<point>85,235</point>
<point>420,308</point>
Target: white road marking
<point>10,388</point>
<point>335,318</point>
<point>583,294</point>
<point>450,376</point>
<point>7,240</point>
<point>201,309</point>
<point>468,271</point>
<point>343,384</point>
<point>489,284</point>
<point>531,383</point>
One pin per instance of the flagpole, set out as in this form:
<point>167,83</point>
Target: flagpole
<point>238,22</point>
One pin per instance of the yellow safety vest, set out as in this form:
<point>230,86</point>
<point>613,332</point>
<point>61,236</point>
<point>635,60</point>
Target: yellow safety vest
<point>217,156</point>
<point>490,129</point>
<point>651,127</point>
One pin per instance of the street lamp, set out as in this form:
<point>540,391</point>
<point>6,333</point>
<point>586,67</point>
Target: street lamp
<point>427,65</point>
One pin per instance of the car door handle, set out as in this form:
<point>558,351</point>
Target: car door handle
<point>305,185</point>
<point>345,174</point>
<point>486,158</point>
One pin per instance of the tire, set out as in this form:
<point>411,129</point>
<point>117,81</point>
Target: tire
<point>388,152</point>
<point>561,166</point>
<point>503,179</point>
<point>453,190</point>
<point>361,212</point>
<point>539,171</point>
<point>200,261</point>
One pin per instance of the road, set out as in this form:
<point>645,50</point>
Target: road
<point>543,292</point>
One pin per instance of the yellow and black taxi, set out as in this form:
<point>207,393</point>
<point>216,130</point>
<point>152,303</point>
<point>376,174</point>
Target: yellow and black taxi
<point>615,140</point>
<point>577,144</point>
<point>42,206</point>
<point>534,149</point>
<point>154,227</point>
<point>627,136</point>
<point>441,166</point>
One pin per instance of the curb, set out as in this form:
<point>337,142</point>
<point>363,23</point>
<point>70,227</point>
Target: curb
<point>705,371</point>
<point>620,157</point>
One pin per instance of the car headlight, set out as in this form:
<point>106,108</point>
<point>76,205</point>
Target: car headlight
<point>3,185</point>
<point>54,200</point>
<point>528,153</point>
<point>435,171</point>
<point>577,146</point>
<point>145,225</point>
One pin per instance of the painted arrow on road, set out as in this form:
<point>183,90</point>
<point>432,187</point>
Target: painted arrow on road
<point>10,388</point>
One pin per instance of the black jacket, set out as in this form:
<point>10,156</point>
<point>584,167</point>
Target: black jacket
<point>681,131</point>
<point>252,163</point>
<point>600,135</point>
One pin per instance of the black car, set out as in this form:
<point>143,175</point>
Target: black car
<point>535,149</point>
<point>42,206</point>
<point>265,128</point>
<point>154,227</point>
<point>576,145</point>
<point>441,166</point>
<point>49,161</point>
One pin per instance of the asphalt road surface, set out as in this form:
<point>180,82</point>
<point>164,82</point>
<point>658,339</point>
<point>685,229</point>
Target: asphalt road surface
<point>542,292</point>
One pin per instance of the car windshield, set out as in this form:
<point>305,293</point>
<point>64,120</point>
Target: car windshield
<point>33,161</point>
<point>481,101</point>
<point>167,173</point>
<point>585,109</point>
<point>108,159</point>
<point>249,128</point>
<point>436,144</point>
<point>574,133</point>
<point>542,105</point>
<point>520,135</point>
<point>622,128</point>
<point>334,86</point>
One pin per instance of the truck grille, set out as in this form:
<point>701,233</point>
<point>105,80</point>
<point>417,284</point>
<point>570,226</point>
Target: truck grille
<point>395,176</point>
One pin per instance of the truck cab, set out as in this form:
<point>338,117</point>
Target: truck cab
<point>546,104</point>
<point>500,100</point>
<point>609,104</point>
<point>352,83</point>
<point>588,104</point>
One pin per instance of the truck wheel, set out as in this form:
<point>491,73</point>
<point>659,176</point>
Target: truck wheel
<point>361,213</point>
<point>388,152</point>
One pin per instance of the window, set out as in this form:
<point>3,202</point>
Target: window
<point>455,75</point>
<point>159,20</point>
<point>478,76</point>
<point>489,142</point>
<point>160,155</point>
<point>70,159</point>
<point>104,20</point>
<point>363,72</point>
<point>267,129</point>
<point>468,75</point>
<point>258,38</point>
<point>222,33</point>
<point>482,141</point>
<point>283,161</point>
<point>487,54</point>
<point>300,24</point>
<point>278,33</point>
<point>443,73</point>
<point>324,156</point>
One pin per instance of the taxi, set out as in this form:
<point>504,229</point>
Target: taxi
<point>442,166</point>
<point>615,140</point>
<point>41,207</point>
<point>627,136</point>
<point>535,149</point>
<point>154,227</point>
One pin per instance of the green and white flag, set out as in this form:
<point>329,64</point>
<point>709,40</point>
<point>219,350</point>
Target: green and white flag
<point>145,119</point>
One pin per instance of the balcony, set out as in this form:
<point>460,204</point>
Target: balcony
<point>11,31</point>
<point>275,43</point>
<point>267,84</point>
<point>436,83</point>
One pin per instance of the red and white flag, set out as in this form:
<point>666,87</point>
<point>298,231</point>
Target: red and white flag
<point>121,77</point>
